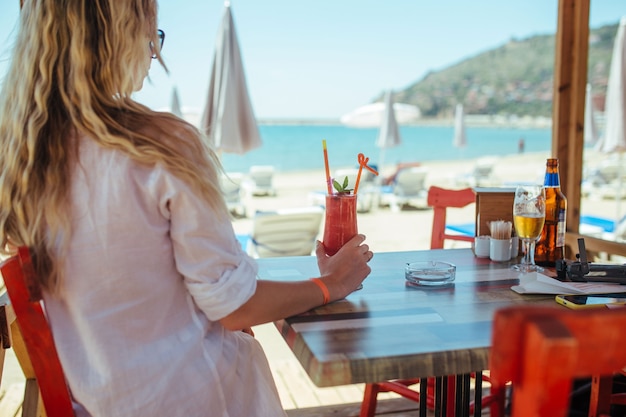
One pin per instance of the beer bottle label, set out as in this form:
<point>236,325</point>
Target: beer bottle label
<point>560,230</point>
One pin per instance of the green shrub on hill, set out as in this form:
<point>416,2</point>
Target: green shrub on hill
<point>513,79</point>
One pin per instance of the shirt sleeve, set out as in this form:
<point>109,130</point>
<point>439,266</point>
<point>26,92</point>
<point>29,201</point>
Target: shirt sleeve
<point>219,275</point>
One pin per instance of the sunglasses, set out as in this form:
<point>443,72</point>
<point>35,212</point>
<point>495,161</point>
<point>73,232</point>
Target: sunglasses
<point>161,37</point>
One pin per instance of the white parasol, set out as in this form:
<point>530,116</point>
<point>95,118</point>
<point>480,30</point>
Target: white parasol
<point>591,130</point>
<point>228,118</point>
<point>175,103</point>
<point>372,115</point>
<point>389,133</point>
<point>614,140</point>
<point>460,139</point>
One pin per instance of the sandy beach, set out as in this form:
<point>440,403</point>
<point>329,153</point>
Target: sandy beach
<point>409,229</point>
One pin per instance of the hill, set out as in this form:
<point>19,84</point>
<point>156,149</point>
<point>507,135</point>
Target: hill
<point>514,79</point>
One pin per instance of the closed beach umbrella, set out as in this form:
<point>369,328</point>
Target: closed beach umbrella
<point>460,139</point>
<point>175,103</point>
<point>228,118</point>
<point>614,139</point>
<point>389,133</point>
<point>615,132</point>
<point>591,130</point>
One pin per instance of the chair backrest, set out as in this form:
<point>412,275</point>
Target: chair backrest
<point>231,186</point>
<point>287,232</point>
<point>541,350</point>
<point>261,180</point>
<point>22,286</point>
<point>483,168</point>
<point>410,181</point>
<point>609,170</point>
<point>440,199</point>
<point>262,175</point>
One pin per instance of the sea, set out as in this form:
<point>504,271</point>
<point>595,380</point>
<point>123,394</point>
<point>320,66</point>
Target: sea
<point>296,147</point>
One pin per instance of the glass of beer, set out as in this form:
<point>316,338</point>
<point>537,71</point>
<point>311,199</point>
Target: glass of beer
<point>529,214</point>
<point>340,225</point>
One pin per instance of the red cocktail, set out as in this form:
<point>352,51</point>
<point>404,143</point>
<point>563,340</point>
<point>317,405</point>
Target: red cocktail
<point>340,225</point>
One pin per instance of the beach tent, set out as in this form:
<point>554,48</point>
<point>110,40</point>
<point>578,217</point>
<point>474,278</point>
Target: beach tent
<point>228,119</point>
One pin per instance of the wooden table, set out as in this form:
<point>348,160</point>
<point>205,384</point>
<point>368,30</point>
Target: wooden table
<point>390,330</point>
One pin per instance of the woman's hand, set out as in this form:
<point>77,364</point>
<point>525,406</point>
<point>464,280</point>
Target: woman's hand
<point>343,272</point>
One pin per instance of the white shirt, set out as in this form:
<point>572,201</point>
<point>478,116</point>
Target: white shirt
<point>149,273</point>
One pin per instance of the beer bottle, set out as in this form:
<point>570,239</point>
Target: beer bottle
<point>550,246</point>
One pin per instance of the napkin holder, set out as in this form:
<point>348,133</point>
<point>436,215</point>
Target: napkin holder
<point>492,204</point>
<point>583,271</point>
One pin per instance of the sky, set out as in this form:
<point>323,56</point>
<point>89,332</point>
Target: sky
<point>320,59</point>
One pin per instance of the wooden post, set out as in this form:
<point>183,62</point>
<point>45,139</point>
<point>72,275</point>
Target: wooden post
<point>570,78</point>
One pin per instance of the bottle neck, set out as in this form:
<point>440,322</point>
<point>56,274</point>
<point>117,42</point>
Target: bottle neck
<point>552,181</point>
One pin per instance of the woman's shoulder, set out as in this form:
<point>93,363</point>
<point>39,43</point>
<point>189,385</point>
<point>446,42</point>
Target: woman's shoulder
<point>162,122</point>
<point>175,132</point>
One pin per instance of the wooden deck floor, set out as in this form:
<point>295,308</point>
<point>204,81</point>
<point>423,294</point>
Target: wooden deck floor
<point>397,407</point>
<point>294,386</point>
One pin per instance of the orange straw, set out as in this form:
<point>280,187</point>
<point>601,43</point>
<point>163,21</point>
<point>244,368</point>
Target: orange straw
<point>330,190</point>
<point>363,163</point>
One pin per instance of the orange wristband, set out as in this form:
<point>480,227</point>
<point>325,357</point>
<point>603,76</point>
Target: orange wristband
<point>324,288</point>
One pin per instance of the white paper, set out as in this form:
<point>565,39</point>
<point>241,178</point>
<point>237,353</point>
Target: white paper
<point>537,283</point>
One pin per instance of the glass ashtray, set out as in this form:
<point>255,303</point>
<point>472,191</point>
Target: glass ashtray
<point>430,273</point>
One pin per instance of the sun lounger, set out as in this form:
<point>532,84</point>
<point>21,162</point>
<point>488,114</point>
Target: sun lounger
<point>286,232</point>
<point>606,180</point>
<point>481,174</point>
<point>603,227</point>
<point>261,180</point>
<point>606,225</point>
<point>233,193</point>
<point>409,188</point>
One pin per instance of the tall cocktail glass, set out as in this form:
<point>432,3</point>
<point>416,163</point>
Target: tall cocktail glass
<point>340,225</point>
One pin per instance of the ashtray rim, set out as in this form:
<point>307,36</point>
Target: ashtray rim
<point>432,266</point>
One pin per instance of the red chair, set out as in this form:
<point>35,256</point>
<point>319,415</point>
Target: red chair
<point>5,333</point>
<point>440,200</point>
<point>24,292</point>
<point>541,350</point>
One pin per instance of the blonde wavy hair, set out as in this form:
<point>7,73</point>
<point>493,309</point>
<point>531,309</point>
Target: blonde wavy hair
<point>73,71</point>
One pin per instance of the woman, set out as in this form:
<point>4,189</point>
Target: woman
<point>146,287</point>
